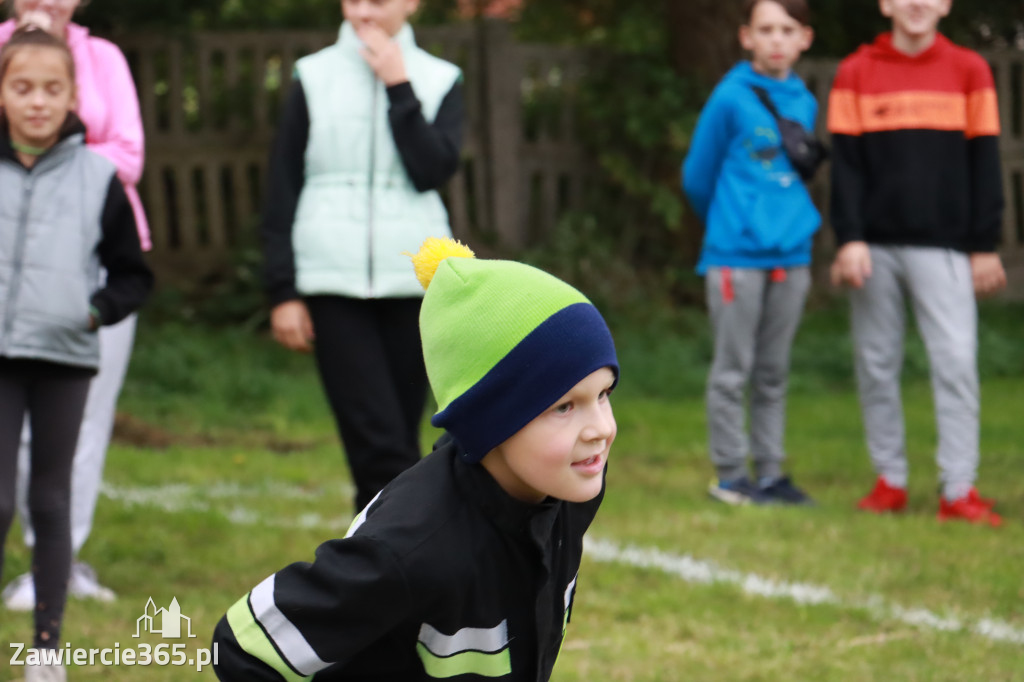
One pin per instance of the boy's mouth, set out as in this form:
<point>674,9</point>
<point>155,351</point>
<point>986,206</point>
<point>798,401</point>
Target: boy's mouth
<point>595,462</point>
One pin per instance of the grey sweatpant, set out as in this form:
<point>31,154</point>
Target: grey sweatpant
<point>753,320</point>
<point>939,285</point>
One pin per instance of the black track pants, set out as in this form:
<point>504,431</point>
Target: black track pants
<point>54,397</point>
<point>371,365</point>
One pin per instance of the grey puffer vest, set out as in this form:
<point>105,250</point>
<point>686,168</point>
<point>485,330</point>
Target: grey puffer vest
<point>50,228</point>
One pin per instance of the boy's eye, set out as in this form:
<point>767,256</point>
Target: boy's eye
<point>563,408</point>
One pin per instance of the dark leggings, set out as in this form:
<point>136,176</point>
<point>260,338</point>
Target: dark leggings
<point>371,365</point>
<point>54,397</point>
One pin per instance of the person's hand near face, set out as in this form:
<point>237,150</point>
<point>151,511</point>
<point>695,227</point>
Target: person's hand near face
<point>53,16</point>
<point>382,54</point>
<point>376,22</point>
<point>40,20</point>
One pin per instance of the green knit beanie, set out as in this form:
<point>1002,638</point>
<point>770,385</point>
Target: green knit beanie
<point>502,341</point>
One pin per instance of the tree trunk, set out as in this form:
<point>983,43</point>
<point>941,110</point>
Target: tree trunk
<point>703,40</point>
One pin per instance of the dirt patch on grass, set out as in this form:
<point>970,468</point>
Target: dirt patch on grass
<point>135,432</point>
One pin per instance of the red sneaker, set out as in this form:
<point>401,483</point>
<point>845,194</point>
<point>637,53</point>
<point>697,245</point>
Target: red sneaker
<point>970,508</point>
<point>884,498</point>
<point>974,496</point>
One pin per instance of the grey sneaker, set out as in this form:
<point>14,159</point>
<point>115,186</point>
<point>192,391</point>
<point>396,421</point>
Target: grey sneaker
<point>20,594</point>
<point>83,584</point>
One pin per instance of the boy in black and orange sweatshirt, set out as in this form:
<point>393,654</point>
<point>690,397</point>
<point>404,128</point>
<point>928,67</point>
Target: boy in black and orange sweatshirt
<point>917,209</point>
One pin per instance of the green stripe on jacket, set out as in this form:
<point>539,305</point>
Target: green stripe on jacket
<point>254,641</point>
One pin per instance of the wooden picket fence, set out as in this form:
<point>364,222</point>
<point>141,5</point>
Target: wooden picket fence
<point>210,101</point>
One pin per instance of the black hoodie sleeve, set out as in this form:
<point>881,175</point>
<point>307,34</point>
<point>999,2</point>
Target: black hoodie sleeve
<point>430,151</point>
<point>285,178</point>
<point>986,194</point>
<point>129,279</point>
<point>848,193</point>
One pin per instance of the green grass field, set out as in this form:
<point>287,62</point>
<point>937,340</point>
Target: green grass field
<point>226,468</point>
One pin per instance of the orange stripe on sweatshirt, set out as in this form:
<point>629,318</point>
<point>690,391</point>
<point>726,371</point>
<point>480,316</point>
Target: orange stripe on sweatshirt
<point>982,113</point>
<point>843,115</point>
<point>913,111</point>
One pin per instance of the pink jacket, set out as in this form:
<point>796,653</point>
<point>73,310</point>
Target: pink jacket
<point>109,106</point>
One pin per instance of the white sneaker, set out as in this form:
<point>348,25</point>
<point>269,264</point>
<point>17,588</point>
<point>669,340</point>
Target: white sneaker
<point>45,673</point>
<point>20,594</point>
<point>83,584</point>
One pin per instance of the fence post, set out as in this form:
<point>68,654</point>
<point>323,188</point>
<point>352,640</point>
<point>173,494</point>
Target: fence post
<point>501,70</point>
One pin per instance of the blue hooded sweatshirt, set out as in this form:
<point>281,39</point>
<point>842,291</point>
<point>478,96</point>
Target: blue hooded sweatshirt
<point>756,210</point>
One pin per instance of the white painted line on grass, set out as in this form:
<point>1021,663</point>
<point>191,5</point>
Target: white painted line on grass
<point>176,498</point>
<point>703,572</point>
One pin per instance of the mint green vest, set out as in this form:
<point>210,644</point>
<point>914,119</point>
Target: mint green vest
<point>358,210</point>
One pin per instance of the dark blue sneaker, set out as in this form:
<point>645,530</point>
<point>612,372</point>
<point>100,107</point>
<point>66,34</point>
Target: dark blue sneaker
<point>782,491</point>
<point>737,492</point>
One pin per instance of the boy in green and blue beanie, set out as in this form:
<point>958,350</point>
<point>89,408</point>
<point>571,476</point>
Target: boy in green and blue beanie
<point>464,566</point>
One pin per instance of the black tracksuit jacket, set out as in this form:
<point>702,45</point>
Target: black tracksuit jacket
<point>442,575</point>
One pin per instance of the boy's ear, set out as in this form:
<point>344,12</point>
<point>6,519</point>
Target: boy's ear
<point>745,39</point>
<point>808,38</point>
<point>885,7</point>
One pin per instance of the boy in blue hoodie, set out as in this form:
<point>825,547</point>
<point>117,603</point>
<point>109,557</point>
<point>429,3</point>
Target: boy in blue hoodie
<point>759,221</point>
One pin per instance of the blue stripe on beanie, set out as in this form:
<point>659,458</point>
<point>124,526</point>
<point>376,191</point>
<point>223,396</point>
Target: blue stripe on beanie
<point>558,354</point>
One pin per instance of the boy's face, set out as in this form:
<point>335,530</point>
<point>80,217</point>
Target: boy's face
<point>563,451</point>
<point>774,39</point>
<point>387,15</point>
<point>915,18</point>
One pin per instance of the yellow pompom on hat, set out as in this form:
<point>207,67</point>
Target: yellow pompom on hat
<point>433,251</point>
<point>502,341</point>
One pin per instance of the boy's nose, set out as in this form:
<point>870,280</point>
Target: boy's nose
<point>602,424</point>
<point>361,11</point>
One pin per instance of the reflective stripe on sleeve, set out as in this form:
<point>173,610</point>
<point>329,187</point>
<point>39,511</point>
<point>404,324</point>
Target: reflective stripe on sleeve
<point>254,641</point>
<point>289,641</point>
<point>360,518</point>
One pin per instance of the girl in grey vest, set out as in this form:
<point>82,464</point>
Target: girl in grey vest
<point>371,128</point>
<point>63,215</point>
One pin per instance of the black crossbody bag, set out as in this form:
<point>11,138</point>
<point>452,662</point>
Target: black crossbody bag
<point>805,151</point>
